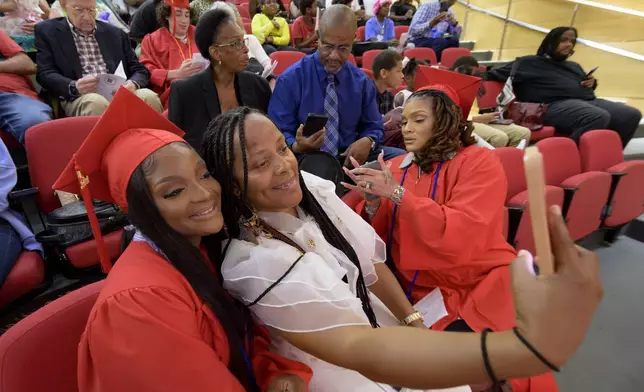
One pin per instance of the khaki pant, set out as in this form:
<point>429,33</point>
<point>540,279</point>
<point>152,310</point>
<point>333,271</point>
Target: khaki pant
<point>502,135</point>
<point>93,104</point>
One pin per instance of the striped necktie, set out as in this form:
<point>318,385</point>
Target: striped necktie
<point>333,124</point>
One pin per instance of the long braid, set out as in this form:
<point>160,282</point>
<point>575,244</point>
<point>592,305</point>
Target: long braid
<point>219,158</point>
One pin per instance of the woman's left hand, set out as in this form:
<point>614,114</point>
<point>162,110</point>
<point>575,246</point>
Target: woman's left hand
<point>287,383</point>
<point>375,182</point>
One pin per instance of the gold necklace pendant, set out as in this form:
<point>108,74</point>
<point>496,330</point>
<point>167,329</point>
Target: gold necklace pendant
<point>310,243</point>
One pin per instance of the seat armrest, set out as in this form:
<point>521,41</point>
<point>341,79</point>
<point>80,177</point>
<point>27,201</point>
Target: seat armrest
<point>569,193</point>
<point>26,201</point>
<point>616,177</point>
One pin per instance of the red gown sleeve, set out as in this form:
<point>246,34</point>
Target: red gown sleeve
<point>269,365</point>
<point>155,63</point>
<point>452,232</point>
<point>152,339</point>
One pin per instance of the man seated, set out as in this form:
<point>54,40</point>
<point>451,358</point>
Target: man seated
<point>325,83</point>
<point>73,51</point>
<point>144,21</point>
<point>19,104</point>
<point>435,26</point>
<point>271,30</point>
<point>550,78</point>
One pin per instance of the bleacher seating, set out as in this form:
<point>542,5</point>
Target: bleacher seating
<point>361,34</point>
<point>243,11</point>
<point>585,194</point>
<point>26,276</point>
<point>368,72</point>
<point>352,59</point>
<point>450,55</point>
<point>284,60</point>
<point>248,28</point>
<point>601,150</point>
<point>426,54</point>
<point>40,352</point>
<point>400,30</point>
<point>368,56</point>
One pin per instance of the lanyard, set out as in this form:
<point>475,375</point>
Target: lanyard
<point>183,56</point>
<point>393,219</point>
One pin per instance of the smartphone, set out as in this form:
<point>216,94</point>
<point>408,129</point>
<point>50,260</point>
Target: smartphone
<point>314,122</point>
<point>375,165</point>
<point>592,71</point>
<point>501,121</point>
<point>535,179</point>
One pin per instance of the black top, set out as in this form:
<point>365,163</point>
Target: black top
<point>194,102</point>
<point>401,9</point>
<point>144,20</point>
<point>385,101</point>
<point>542,80</point>
<point>58,61</point>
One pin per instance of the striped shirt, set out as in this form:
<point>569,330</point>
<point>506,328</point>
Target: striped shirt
<point>419,27</point>
<point>89,53</point>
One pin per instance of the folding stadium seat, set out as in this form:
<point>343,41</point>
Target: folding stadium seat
<point>426,54</point>
<point>368,56</point>
<point>367,72</point>
<point>400,30</point>
<point>248,28</point>
<point>285,60</point>
<point>361,33</point>
<point>519,224</point>
<point>602,150</point>
<point>450,55</point>
<point>27,276</point>
<point>50,147</point>
<point>585,194</point>
<point>352,59</point>
<point>39,353</point>
<point>243,11</point>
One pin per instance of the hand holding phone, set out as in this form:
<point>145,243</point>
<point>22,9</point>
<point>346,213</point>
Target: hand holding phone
<point>591,72</point>
<point>314,123</point>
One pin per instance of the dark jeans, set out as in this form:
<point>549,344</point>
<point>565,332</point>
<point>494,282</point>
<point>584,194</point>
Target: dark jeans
<point>437,44</point>
<point>10,248</point>
<point>573,117</point>
<point>270,48</point>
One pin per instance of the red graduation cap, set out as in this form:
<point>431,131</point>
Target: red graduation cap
<point>466,86</point>
<point>174,4</point>
<point>127,133</point>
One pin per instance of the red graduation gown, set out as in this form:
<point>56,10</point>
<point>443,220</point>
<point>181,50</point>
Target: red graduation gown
<point>161,52</point>
<point>456,242</point>
<point>149,331</point>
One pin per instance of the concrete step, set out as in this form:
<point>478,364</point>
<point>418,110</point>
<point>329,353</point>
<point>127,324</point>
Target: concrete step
<point>468,44</point>
<point>635,229</point>
<point>482,55</point>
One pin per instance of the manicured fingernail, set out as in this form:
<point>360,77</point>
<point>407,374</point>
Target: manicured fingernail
<point>556,210</point>
<point>526,257</point>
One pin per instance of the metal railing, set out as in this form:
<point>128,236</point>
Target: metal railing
<point>593,44</point>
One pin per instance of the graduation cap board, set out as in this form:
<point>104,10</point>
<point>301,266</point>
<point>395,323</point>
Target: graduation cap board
<point>466,86</point>
<point>126,134</point>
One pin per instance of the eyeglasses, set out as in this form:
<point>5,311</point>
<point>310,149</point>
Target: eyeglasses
<point>342,49</point>
<point>81,10</point>
<point>237,45</point>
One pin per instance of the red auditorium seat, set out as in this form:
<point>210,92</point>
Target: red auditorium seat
<point>450,55</point>
<point>368,56</point>
<point>361,34</point>
<point>40,352</point>
<point>50,147</point>
<point>26,275</point>
<point>352,59</point>
<point>520,226</point>
<point>602,150</point>
<point>400,30</point>
<point>368,72</point>
<point>243,11</point>
<point>542,133</point>
<point>248,28</point>
<point>585,194</point>
<point>426,54</point>
<point>285,60</point>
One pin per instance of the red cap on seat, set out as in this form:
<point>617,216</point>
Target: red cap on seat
<point>125,135</point>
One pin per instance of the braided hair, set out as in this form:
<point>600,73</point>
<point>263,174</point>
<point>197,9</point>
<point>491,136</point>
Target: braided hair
<point>451,131</point>
<point>187,259</point>
<point>217,150</point>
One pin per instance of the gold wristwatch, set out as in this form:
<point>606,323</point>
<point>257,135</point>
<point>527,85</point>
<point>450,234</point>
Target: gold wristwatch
<point>412,317</point>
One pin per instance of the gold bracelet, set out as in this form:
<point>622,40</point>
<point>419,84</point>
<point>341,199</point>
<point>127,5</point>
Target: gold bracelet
<point>413,317</point>
<point>397,195</point>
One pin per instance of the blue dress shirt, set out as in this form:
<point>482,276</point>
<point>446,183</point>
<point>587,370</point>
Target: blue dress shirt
<point>301,89</point>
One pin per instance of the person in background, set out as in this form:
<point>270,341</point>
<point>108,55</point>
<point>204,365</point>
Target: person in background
<point>387,73</point>
<point>198,7</point>
<point>105,11</point>
<point>486,125</point>
<point>162,320</point>
<point>20,17</point>
<point>73,51</point>
<point>435,26</point>
<point>573,108</point>
<point>303,31</point>
<point>402,12</point>
<point>167,53</point>
<point>272,31</point>
<point>224,85</point>
<point>144,21</point>
<point>325,83</point>
<point>20,107</point>
<point>356,7</point>
<point>443,191</point>
<point>380,27</point>
<point>15,235</point>
<point>410,66</point>
<point>294,9</point>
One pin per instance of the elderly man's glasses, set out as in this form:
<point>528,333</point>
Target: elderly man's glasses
<point>342,49</point>
<point>81,11</point>
<point>237,45</point>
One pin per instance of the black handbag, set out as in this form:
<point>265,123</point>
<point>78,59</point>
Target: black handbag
<point>69,224</point>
